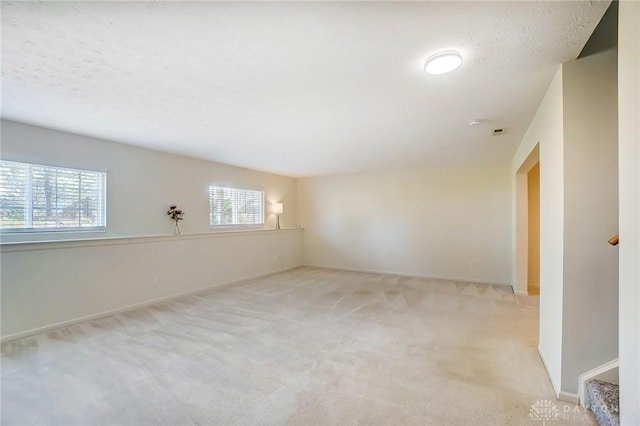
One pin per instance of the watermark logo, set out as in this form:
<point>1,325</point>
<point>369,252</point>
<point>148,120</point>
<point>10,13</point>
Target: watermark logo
<point>543,411</point>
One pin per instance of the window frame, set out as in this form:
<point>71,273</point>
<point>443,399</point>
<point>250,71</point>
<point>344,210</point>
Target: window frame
<point>62,229</point>
<point>237,226</point>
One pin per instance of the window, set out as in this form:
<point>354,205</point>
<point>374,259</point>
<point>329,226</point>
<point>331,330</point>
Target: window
<point>235,207</point>
<point>44,198</point>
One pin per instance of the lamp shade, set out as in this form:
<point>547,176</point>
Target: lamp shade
<point>277,208</point>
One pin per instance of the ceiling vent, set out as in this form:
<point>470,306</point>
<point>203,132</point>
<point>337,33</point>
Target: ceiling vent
<point>499,131</point>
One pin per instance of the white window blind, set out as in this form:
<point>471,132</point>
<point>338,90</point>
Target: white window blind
<point>43,198</point>
<point>235,206</point>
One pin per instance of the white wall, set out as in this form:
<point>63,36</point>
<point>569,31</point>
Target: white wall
<point>433,222</point>
<point>56,282</point>
<point>546,132</point>
<point>141,183</point>
<point>575,130</point>
<point>45,284</point>
<point>629,163</point>
<point>590,289</point>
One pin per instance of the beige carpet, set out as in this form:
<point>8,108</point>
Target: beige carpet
<point>308,346</point>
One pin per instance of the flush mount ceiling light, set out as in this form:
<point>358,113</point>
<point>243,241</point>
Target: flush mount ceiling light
<point>443,62</point>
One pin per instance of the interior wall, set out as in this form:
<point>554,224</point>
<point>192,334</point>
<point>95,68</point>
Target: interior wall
<point>590,291</point>
<point>449,223</point>
<point>533,221</point>
<point>56,282</point>
<point>141,183</point>
<point>546,132</point>
<point>629,180</point>
<point>53,283</point>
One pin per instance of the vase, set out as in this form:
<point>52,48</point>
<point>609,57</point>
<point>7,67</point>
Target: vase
<point>176,229</point>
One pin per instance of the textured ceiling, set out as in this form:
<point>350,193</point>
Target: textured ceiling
<point>296,88</point>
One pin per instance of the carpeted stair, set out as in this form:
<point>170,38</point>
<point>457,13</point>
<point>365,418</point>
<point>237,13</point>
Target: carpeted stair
<point>604,401</point>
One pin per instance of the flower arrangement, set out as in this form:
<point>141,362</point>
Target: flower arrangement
<point>176,215</point>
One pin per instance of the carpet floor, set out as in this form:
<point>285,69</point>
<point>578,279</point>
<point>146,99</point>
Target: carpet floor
<point>308,346</point>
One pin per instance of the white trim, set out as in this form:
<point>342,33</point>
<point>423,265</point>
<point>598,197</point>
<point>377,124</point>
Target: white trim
<point>409,275</point>
<point>7,247</point>
<point>569,397</point>
<point>127,308</point>
<point>590,375</point>
<point>553,385</point>
<point>69,229</point>
<point>236,227</point>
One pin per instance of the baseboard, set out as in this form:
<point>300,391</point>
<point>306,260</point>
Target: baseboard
<point>561,395</point>
<point>569,397</point>
<point>127,308</point>
<point>407,275</point>
<point>544,363</point>
<point>585,377</point>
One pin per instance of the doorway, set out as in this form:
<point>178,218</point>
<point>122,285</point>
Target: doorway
<point>527,268</point>
<point>533,224</point>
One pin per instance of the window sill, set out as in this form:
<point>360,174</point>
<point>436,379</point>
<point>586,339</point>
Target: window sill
<point>239,228</point>
<point>50,231</point>
<point>7,247</point>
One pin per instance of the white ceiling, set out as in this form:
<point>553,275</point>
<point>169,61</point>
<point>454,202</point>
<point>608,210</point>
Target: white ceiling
<point>296,88</point>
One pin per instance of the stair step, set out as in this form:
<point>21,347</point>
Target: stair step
<point>604,401</point>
